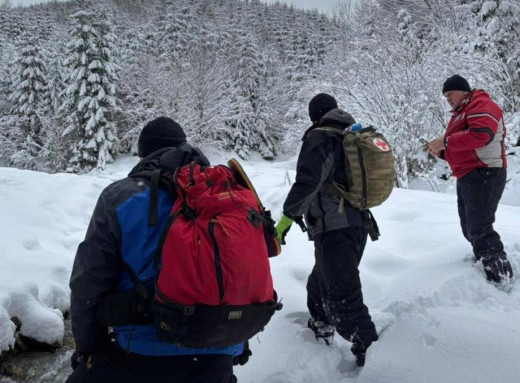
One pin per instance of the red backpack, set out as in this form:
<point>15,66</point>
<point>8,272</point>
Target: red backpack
<point>214,287</point>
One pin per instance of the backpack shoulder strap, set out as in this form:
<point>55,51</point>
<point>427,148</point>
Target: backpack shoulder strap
<point>331,129</point>
<point>155,178</point>
<point>338,131</point>
<point>141,290</point>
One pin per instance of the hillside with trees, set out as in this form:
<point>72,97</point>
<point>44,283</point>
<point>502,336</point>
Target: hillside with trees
<point>78,79</point>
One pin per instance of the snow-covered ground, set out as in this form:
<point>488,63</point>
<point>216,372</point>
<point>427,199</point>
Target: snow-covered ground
<point>440,321</point>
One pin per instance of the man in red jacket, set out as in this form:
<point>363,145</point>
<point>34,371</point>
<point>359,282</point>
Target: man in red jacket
<point>473,146</point>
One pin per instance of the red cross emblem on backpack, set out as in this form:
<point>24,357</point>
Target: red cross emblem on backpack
<point>381,145</point>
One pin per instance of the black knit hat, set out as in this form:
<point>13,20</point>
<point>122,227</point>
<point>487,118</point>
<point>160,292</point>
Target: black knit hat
<point>160,133</point>
<point>455,82</point>
<point>321,104</point>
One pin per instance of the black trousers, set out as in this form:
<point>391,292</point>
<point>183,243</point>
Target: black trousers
<point>111,364</point>
<point>478,194</point>
<point>334,289</point>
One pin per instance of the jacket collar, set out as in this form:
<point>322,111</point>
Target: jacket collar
<point>336,118</point>
<point>168,159</point>
<point>470,97</point>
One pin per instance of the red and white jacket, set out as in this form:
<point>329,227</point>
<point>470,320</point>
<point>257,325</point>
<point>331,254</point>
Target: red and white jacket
<point>475,135</point>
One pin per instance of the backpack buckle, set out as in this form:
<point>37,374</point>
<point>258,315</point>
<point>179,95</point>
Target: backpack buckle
<point>188,310</point>
<point>253,217</point>
<point>189,213</point>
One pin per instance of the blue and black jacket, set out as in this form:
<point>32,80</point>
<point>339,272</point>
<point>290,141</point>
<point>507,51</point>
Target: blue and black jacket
<point>119,236</point>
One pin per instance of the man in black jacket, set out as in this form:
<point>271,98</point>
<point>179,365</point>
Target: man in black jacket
<point>334,296</point>
<point>120,245</point>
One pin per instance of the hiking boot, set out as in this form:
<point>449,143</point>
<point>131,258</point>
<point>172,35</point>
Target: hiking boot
<point>322,330</point>
<point>360,346</point>
<point>498,269</point>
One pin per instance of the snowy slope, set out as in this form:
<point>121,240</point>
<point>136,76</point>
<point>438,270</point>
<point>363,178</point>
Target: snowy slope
<point>440,320</point>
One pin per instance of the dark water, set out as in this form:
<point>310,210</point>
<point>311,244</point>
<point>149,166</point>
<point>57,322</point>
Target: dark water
<point>40,367</point>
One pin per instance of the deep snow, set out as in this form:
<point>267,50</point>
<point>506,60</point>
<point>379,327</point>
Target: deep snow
<point>440,321</point>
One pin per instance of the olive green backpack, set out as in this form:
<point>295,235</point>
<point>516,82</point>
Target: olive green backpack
<point>369,165</point>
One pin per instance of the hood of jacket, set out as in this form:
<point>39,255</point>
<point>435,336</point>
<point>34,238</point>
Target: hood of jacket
<point>168,159</point>
<point>335,118</point>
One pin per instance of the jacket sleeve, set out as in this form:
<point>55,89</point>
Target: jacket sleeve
<point>314,166</point>
<point>483,117</point>
<point>95,273</point>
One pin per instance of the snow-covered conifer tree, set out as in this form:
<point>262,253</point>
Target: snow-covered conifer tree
<point>173,35</point>
<point>249,118</point>
<point>55,84</point>
<point>90,94</point>
<point>28,88</point>
<point>239,120</point>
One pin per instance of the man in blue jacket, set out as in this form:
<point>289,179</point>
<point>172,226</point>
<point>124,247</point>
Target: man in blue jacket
<point>119,246</point>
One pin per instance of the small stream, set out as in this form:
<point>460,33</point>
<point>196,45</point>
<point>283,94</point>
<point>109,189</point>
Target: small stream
<point>39,366</point>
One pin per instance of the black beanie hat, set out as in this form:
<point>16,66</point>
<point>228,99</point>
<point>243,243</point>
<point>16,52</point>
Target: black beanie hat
<point>321,104</point>
<point>160,133</point>
<point>455,82</point>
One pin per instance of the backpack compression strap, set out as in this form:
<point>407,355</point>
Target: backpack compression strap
<point>370,225</point>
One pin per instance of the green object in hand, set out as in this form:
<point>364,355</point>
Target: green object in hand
<point>282,228</point>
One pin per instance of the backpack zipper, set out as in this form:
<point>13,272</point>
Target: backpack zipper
<point>218,268</point>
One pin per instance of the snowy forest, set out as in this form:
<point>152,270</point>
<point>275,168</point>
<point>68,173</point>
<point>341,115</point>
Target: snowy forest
<point>79,79</point>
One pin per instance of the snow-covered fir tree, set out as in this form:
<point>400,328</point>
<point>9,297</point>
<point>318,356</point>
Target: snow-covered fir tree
<point>55,84</point>
<point>28,89</point>
<point>173,35</point>
<point>384,60</point>
<point>90,93</point>
<point>247,120</point>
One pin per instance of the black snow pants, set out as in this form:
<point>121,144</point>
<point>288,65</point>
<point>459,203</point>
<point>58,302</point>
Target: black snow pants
<point>111,364</point>
<point>478,194</point>
<point>334,293</point>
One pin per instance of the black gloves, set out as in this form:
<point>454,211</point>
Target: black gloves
<point>244,357</point>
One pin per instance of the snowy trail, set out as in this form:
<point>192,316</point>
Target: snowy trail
<point>440,319</point>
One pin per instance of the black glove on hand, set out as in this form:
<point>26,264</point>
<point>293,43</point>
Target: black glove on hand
<point>244,357</point>
<point>76,359</point>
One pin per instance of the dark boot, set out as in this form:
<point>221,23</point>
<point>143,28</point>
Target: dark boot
<point>498,269</point>
<point>360,346</point>
<point>322,330</point>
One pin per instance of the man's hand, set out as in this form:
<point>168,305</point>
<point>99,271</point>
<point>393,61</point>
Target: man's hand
<point>436,146</point>
<point>282,228</point>
<point>76,359</point>
<point>244,357</point>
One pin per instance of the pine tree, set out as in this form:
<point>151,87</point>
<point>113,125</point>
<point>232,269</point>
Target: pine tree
<point>11,24</point>
<point>28,89</point>
<point>55,80</point>
<point>90,95</point>
<point>239,118</point>
<point>174,35</point>
<point>250,109</point>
